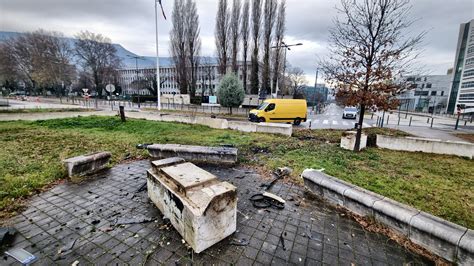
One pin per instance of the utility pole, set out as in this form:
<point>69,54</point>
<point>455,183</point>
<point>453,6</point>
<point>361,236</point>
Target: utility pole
<point>158,82</point>
<point>315,87</point>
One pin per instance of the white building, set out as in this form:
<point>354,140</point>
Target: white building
<point>427,93</point>
<point>462,88</point>
<point>208,77</point>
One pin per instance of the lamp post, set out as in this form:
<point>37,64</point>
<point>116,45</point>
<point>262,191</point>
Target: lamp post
<point>286,47</point>
<point>136,73</point>
<point>158,82</point>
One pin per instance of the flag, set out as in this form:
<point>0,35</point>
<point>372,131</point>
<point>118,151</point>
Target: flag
<point>162,10</point>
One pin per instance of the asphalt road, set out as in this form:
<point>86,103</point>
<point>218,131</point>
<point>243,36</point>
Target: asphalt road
<point>332,119</point>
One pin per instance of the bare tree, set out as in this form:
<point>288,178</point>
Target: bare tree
<point>178,44</point>
<point>9,72</point>
<point>222,35</point>
<point>208,74</point>
<point>268,25</point>
<point>245,32</point>
<point>256,23</point>
<point>297,80</point>
<point>369,48</point>
<point>193,44</point>
<point>41,59</point>
<point>234,34</point>
<point>279,36</point>
<point>98,57</point>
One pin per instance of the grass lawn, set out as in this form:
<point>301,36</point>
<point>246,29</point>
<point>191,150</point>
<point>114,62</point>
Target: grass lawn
<point>41,110</point>
<point>31,154</point>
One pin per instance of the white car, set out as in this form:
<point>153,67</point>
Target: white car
<point>350,113</point>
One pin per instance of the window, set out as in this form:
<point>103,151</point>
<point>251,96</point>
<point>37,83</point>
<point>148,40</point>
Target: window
<point>467,84</point>
<point>418,79</point>
<point>423,85</point>
<point>421,93</point>
<point>433,93</point>
<point>442,93</point>
<point>270,107</point>
<point>429,85</point>
<point>468,73</point>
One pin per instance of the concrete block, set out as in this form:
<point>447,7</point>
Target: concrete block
<point>200,207</point>
<point>214,155</point>
<point>435,234</point>
<point>361,201</point>
<point>243,126</point>
<point>275,128</point>
<point>87,164</point>
<point>211,122</point>
<point>348,141</point>
<point>437,146</point>
<point>395,215</point>
<point>465,254</point>
<point>312,180</point>
<point>328,187</point>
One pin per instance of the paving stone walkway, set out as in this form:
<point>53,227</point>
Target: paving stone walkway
<point>75,222</point>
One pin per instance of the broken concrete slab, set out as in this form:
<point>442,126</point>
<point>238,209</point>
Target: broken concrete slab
<point>200,207</point>
<point>349,139</point>
<point>87,164</point>
<point>199,154</point>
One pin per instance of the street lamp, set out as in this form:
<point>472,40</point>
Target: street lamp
<point>287,48</point>
<point>136,72</point>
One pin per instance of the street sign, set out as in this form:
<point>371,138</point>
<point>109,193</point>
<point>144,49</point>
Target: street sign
<point>110,88</point>
<point>85,90</point>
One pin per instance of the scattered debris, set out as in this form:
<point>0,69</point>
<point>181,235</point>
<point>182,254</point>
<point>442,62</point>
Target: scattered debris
<point>270,185</point>
<point>282,240</point>
<point>239,242</point>
<point>142,188</point>
<point>228,145</point>
<point>6,236</point>
<point>261,201</point>
<point>273,196</point>
<point>94,222</point>
<point>135,220</point>
<point>308,232</point>
<point>75,263</point>
<point>283,171</point>
<point>21,255</point>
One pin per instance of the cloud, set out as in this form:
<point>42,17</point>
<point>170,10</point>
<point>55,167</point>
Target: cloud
<point>132,24</point>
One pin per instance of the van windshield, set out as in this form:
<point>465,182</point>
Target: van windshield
<point>351,109</point>
<point>262,106</point>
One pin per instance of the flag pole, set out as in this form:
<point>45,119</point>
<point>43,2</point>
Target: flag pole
<point>158,81</point>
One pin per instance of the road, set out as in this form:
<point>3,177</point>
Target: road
<point>331,118</point>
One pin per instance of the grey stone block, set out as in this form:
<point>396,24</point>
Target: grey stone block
<point>87,164</point>
<point>465,252</point>
<point>312,180</point>
<point>332,189</point>
<point>361,201</point>
<point>214,155</point>
<point>167,162</point>
<point>435,234</point>
<point>394,214</point>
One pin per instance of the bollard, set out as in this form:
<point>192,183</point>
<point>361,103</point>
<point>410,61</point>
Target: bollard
<point>432,119</point>
<point>122,113</point>
<point>411,117</point>
<point>388,118</point>
<point>428,121</point>
<point>399,120</point>
<point>457,124</point>
<point>309,124</point>
<point>372,116</point>
<point>378,121</point>
<point>465,123</point>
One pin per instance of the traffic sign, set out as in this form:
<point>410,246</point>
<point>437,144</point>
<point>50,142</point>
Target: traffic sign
<point>85,90</point>
<point>110,88</point>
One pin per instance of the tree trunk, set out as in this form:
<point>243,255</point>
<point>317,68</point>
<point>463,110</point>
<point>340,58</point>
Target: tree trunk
<point>359,128</point>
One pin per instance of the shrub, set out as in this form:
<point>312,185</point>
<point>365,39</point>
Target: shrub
<point>230,92</point>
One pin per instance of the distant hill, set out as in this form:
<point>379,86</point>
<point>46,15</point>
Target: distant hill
<point>123,53</point>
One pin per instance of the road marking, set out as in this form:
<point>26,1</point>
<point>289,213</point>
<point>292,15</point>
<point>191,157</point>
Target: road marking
<point>345,123</point>
<point>316,121</point>
<point>334,122</point>
<point>325,122</point>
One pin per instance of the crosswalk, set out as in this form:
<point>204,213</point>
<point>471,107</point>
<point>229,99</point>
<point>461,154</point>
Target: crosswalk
<point>336,123</point>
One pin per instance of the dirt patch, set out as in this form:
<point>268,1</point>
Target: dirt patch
<point>466,137</point>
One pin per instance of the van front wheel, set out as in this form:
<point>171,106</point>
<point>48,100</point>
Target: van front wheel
<point>261,120</point>
<point>297,122</point>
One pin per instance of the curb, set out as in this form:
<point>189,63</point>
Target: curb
<point>445,239</point>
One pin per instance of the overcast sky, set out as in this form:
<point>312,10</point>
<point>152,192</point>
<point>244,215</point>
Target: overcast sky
<point>131,24</point>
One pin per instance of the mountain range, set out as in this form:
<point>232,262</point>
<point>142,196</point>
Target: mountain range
<point>125,55</point>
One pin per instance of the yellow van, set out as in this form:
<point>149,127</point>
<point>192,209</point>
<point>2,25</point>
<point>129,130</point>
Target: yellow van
<point>280,111</point>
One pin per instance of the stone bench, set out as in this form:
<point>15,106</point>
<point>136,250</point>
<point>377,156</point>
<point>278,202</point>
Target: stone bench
<point>200,207</point>
<point>87,164</point>
<point>200,154</point>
